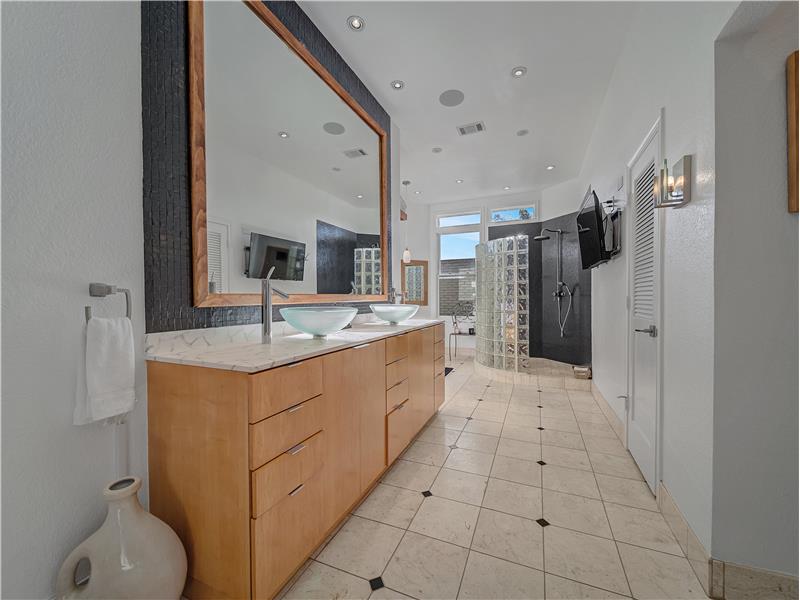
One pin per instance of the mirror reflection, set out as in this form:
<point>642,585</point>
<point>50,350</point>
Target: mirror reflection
<point>292,172</point>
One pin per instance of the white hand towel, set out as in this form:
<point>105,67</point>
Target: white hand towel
<point>110,371</point>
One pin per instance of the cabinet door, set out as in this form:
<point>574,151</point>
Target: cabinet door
<point>368,364</point>
<point>420,375</point>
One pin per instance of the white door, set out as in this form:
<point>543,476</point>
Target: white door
<point>644,355</point>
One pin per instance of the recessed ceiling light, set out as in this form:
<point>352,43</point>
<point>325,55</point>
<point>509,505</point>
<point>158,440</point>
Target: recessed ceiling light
<point>356,23</point>
<point>506,187</point>
<point>518,72</point>
<point>550,167</point>
<point>417,193</point>
<point>436,149</point>
<point>360,196</point>
<point>522,132</point>
<point>283,134</point>
<point>451,98</point>
<point>333,128</point>
<point>398,84</point>
<point>459,181</point>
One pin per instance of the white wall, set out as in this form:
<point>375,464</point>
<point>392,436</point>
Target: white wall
<point>72,213</point>
<point>755,296</point>
<point>678,38</point>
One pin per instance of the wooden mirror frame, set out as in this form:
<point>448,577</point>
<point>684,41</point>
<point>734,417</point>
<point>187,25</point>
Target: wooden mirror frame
<point>415,263</point>
<point>197,148</point>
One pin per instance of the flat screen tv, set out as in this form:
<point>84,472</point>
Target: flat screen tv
<point>288,258</point>
<point>591,232</point>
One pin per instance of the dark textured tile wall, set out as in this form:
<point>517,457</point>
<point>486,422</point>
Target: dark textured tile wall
<point>165,149</point>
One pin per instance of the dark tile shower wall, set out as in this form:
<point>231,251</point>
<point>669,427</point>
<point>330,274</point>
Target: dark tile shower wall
<point>165,148</point>
<point>546,342</point>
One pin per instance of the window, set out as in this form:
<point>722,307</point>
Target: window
<point>518,213</point>
<point>458,220</point>
<point>458,236</point>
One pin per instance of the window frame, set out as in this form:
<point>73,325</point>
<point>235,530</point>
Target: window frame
<point>438,231</point>
<point>534,218</point>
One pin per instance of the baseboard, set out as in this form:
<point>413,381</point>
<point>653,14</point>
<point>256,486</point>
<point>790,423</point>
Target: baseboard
<point>616,423</point>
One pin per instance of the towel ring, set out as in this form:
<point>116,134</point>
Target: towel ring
<point>101,290</point>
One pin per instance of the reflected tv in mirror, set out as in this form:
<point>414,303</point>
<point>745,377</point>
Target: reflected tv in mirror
<point>288,258</point>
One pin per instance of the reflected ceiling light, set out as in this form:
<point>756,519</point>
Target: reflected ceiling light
<point>506,187</point>
<point>360,196</point>
<point>283,135</point>
<point>436,149</point>
<point>550,167</point>
<point>522,132</point>
<point>406,256</point>
<point>417,193</point>
<point>398,84</point>
<point>356,23</point>
<point>459,181</point>
<point>518,72</point>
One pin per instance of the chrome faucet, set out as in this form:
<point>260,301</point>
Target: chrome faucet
<point>393,296</point>
<point>266,307</point>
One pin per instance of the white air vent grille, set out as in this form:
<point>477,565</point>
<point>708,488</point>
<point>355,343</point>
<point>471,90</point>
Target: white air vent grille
<point>471,128</point>
<point>217,235</point>
<point>355,153</point>
<point>644,244</point>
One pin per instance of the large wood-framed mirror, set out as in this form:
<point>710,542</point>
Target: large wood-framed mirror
<point>283,159</point>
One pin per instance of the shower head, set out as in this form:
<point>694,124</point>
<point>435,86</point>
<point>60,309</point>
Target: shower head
<point>541,238</point>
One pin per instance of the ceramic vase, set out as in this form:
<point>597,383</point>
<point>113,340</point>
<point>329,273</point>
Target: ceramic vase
<point>132,555</point>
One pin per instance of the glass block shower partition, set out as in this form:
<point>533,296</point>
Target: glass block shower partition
<point>502,303</point>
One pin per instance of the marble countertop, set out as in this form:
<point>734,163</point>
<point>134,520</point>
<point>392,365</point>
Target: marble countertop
<point>240,348</point>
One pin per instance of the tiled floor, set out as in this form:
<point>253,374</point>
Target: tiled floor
<point>510,492</point>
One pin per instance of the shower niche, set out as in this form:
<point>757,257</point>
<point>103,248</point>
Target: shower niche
<point>502,306</point>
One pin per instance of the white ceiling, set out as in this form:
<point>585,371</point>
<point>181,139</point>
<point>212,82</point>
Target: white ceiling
<point>569,49</point>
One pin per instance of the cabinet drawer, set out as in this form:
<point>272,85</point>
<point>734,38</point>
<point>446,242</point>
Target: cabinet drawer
<point>401,427</point>
<point>274,436</point>
<point>272,483</point>
<point>438,366</point>
<point>396,372</point>
<point>438,349</point>
<point>438,392</point>
<point>396,395</point>
<point>396,348</point>
<point>284,536</point>
<point>438,333</point>
<point>277,389</point>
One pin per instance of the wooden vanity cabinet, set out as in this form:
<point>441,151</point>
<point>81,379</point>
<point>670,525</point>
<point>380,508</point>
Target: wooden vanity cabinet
<point>253,471</point>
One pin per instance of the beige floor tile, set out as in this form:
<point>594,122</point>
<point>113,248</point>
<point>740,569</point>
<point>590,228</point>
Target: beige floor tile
<point>391,505</point>
<point>513,498</point>
<point>570,481</point>
<point>362,547</point>
<point>411,475</point>
<point>518,407</point>
<point>584,558</point>
<point>484,427</point>
<point>446,520</point>
<point>321,582</point>
<point>490,411</point>
<point>478,442</point>
<point>588,406</point>
<point>458,409</point>
<point>426,453</point>
<point>590,417</point>
<point>489,577</point>
<point>618,466</point>
<point>385,593</point>
<point>655,575</point>
<point>557,413</point>
<point>470,461</point>
<point>559,588</point>
<point>519,471</point>
<point>569,425</point>
<point>642,528</point>
<point>547,382</point>
<point>626,491</point>
<point>564,439</point>
<point>460,486</point>
<point>449,422</point>
<point>598,429</point>
<point>523,434</point>
<point>438,435</point>
<point>426,568</point>
<point>575,512</point>
<point>605,445</point>
<point>566,457</point>
<point>519,449</point>
<point>507,536</point>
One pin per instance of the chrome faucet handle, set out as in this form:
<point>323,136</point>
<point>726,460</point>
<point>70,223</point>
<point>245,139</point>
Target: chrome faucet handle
<point>269,275</point>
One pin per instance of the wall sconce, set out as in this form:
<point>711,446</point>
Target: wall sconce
<point>673,190</point>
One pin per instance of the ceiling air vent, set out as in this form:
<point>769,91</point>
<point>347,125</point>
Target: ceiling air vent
<point>471,128</point>
<point>355,153</point>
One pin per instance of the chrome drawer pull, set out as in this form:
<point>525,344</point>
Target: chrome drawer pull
<point>295,408</point>
<point>296,449</point>
<point>297,490</point>
<point>361,346</point>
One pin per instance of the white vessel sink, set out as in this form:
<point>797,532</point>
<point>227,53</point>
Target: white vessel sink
<point>394,313</point>
<point>319,321</point>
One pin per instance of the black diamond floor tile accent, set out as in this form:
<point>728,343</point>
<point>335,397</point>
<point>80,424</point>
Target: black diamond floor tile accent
<point>542,522</point>
<point>540,428</point>
<point>427,493</point>
<point>469,418</point>
<point>452,447</point>
<point>376,583</point>
<point>539,406</point>
<point>480,399</point>
<point>541,462</point>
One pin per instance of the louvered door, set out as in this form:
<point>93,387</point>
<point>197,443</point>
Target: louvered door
<point>644,306</point>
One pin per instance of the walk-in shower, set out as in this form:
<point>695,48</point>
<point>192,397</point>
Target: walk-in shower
<point>562,289</point>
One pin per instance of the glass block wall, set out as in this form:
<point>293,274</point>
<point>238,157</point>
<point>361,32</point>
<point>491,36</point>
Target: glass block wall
<point>502,303</point>
<point>367,268</point>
